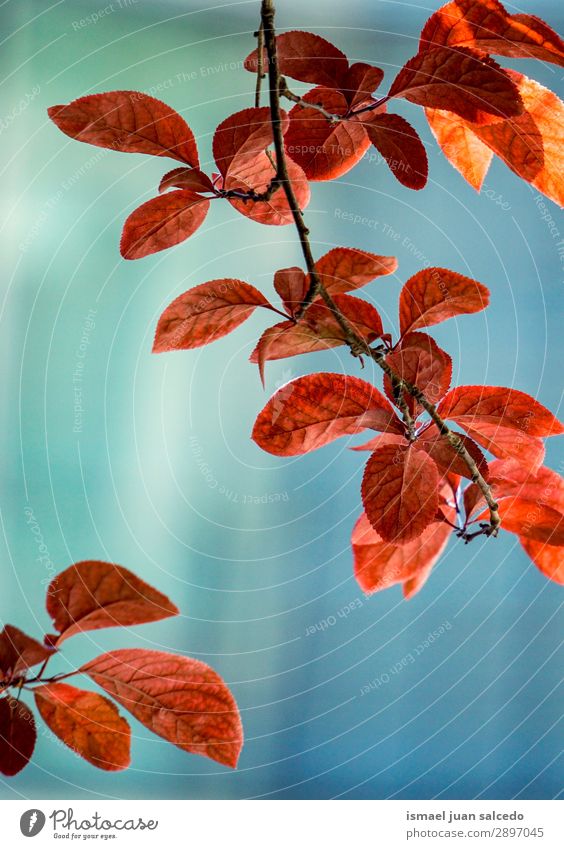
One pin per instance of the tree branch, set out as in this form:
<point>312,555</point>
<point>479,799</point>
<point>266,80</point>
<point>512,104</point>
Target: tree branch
<point>356,343</point>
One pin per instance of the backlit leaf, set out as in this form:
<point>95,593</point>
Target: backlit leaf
<point>461,145</point>
<point>87,723</point>
<point>506,443</point>
<point>459,80</point>
<point>92,594</point>
<point>256,176</point>
<point>292,286</point>
<point>186,178</point>
<point>305,57</point>
<point>162,222</point>
<point>180,699</point>
<point>359,84</point>
<point>128,121</point>
<point>18,653</point>
<point>471,405</point>
<point>400,492</point>
<point>313,410</point>
<point>447,458</point>
<point>548,558</point>
<point>418,359</point>
<point>344,269</point>
<point>435,294</point>
<point>400,146</point>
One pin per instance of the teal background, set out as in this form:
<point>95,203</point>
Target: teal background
<point>163,477</point>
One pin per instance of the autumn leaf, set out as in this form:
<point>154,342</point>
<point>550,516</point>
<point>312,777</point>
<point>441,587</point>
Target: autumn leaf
<point>359,84</point>
<point>549,559</point>
<point>18,653</point>
<point>435,294</point>
<point>178,698</point>
<point>447,458</point>
<point>313,410</point>
<point>510,408</point>
<point>461,146</point>
<point>205,313</point>
<point>17,735</point>
<point>257,177</point>
<point>506,443</point>
<point>418,360</point>
<point>344,269</point>
<point>292,285</point>
<point>92,594</point>
<point>128,121</point>
<point>324,149</point>
<point>87,723</point>
<point>379,565</point>
<point>485,25</point>
<point>186,178</point>
<point>240,138</point>
<point>396,140</point>
<point>162,222</point>
<point>400,492</point>
<point>306,57</point>
<point>459,80</point>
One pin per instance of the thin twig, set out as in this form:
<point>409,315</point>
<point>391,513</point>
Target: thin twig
<point>295,98</point>
<point>356,343</point>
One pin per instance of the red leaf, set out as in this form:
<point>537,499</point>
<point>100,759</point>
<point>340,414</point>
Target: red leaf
<point>531,144</point>
<point>378,564</point>
<point>435,294</point>
<point>205,313</point>
<point>128,121</point>
<point>485,25</point>
<point>548,558</point>
<point>505,443</point>
<point>344,269</point>
<point>18,653</point>
<point>162,222</point>
<point>400,146</point>
<point>400,492</point>
<point>305,57</point>
<point>92,594</point>
<point>324,149</point>
<point>180,699</point>
<point>460,81</point>
<point>314,410</point>
<point>292,286</point>
<point>472,405</point>
<point>257,178</point>
<point>379,440</point>
<point>239,140</point>
<point>186,178</point>
<point>446,458</point>
<point>17,735</point>
<point>359,84</point>
<point>418,359</point>
<point>87,723</point>
<point>317,330</point>
<point>460,145</point>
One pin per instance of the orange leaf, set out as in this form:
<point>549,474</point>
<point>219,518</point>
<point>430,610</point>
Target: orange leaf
<point>205,313</point>
<point>505,443</point>
<point>18,653</point>
<point>343,269</point>
<point>471,405</point>
<point>460,80</point>
<point>92,594</point>
<point>180,699</point>
<point>87,723</point>
<point>313,410</point>
<point>446,458</point>
<point>400,492</point>
<point>400,146</point>
<point>532,144</point>
<point>17,735</point>
<point>186,178</point>
<point>305,57</point>
<point>418,359</point>
<point>128,121</point>
<point>485,25</point>
<point>548,558</point>
<point>162,222</point>
<point>324,149</point>
<point>256,177</point>
<point>378,564</point>
<point>435,294</point>
<point>460,145</point>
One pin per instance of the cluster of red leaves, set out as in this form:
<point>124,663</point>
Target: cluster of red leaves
<point>180,699</point>
<point>475,108</point>
<point>132,122</point>
<point>412,486</point>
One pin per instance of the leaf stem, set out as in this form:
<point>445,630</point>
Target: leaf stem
<point>356,343</point>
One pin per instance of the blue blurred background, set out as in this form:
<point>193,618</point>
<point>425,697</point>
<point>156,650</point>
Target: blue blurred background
<point>158,472</point>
